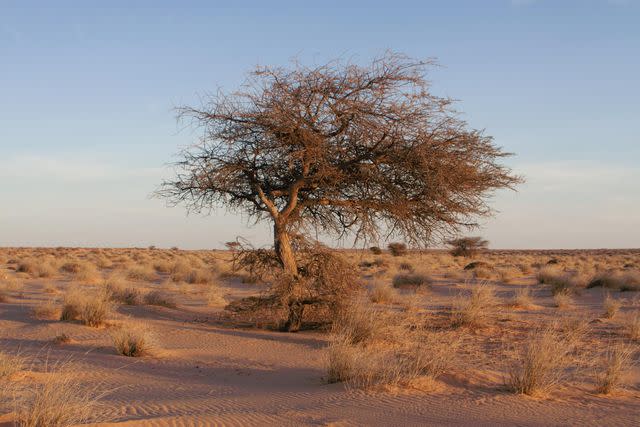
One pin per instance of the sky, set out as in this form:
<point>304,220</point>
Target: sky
<point>88,91</point>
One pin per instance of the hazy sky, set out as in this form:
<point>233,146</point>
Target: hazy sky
<point>87,91</point>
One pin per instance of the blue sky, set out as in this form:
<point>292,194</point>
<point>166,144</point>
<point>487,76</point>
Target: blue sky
<point>87,91</point>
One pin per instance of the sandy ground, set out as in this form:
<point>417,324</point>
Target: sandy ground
<point>206,372</point>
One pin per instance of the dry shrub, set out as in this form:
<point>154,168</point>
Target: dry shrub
<point>371,364</point>
<point>163,266</point>
<point>406,267</point>
<point>324,283</point>
<point>104,262</point>
<point>473,309</point>
<point>133,340</point>
<point>622,281</point>
<point>411,280</point>
<point>540,364</point>
<point>506,275</point>
<point>615,362</point>
<point>47,310</point>
<point>122,292</point>
<point>37,267</point>
<point>91,308</point>
<point>467,246</point>
<point>522,297</point>
<point>60,400</point>
<point>381,292</point>
<point>159,298</point>
<point>141,273</point>
<point>214,296</point>
<point>82,271</point>
<point>360,322</point>
<point>563,300</point>
<point>10,364</point>
<point>375,250</point>
<point>611,306</point>
<point>397,248</point>
<point>483,273</point>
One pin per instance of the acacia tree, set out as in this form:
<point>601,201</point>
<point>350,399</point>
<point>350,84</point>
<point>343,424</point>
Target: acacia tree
<point>467,246</point>
<point>340,149</point>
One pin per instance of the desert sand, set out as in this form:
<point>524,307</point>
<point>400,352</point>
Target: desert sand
<point>207,368</point>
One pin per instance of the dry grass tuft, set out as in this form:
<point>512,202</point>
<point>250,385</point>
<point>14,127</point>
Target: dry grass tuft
<point>540,364</point>
<point>82,271</point>
<point>615,362</point>
<point>141,273</point>
<point>47,310</point>
<point>92,308</point>
<point>522,298</point>
<point>10,364</point>
<point>473,310</point>
<point>159,298</point>
<point>37,267</point>
<point>411,280</point>
<point>622,281</point>
<point>563,300</point>
<point>132,340</point>
<point>122,292</point>
<point>611,307</point>
<point>381,292</point>
<point>60,400</point>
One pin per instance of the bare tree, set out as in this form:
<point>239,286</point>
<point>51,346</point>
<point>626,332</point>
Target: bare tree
<point>340,149</point>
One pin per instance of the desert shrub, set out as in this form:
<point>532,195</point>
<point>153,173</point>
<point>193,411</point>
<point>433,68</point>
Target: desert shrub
<point>381,292</point>
<point>540,363</point>
<point>397,248</point>
<point>10,364</point>
<point>360,322</point>
<point>37,267</point>
<point>141,273</point>
<point>473,309</point>
<point>47,310</point>
<point>214,296</point>
<point>406,266</point>
<point>467,246</point>
<point>506,275</point>
<point>622,281</point>
<point>483,273</point>
<point>375,250</point>
<point>522,297</point>
<point>92,309</point>
<point>60,400</point>
<point>324,284</point>
<point>163,266</point>
<point>614,364</point>
<point>104,262</point>
<point>82,271</point>
<point>159,298</point>
<point>563,300</point>
<point>132,340</point>
<point>120,291</point>
<point>560,282</point>
<point>611,306</point>
<point>411,280</point>
<point>477,264</point>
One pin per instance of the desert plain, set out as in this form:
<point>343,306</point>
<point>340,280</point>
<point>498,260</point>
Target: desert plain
<point>147,337</point>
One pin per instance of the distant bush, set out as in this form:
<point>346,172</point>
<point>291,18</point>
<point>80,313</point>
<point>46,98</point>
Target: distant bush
<point>397,248</point>
<point>375,250</point>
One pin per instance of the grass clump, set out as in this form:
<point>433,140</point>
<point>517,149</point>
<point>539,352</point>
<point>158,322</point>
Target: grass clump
<point>540,365</point>
<point>132,340</point>
<point>381,292</point>
<point>159,298</point>
<point>633,326</point>
<point>141,273</point>
<point>60,400</point>
<point>47,310</point>
<point>622,281</point>
<point>10,364</point>
<point>563,300</point>
<point>615,362</point>
<point>522,298</point>
<point>411,280</point>
<point>473,310</point>
<point>92,309</point>
<point>611,307</point>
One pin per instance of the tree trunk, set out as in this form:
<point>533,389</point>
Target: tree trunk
<point>282,245</point>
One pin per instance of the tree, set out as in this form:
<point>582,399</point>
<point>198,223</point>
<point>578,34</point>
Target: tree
<point>467,246</point>
<point>339,149</point>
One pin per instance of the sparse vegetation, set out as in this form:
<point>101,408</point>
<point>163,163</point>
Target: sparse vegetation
<point>411,280</point>
<point>611,306</point>
<point>132,340</point>
<point>382,293</point>
<point>397,248</point>
<point>473,309</point>
<point>540,364</point>
<point>467,246</point>
<point>159,298</point>
<point>615,362</point>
